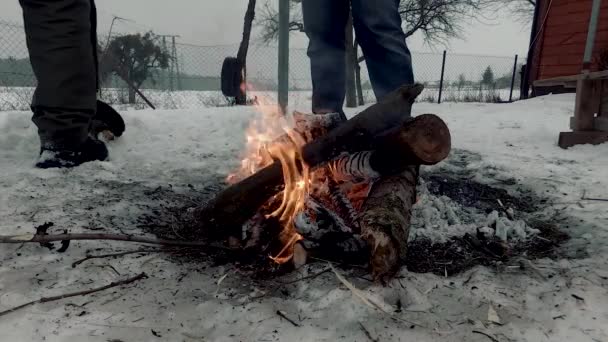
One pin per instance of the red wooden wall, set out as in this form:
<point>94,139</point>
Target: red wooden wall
<point>561,43</point>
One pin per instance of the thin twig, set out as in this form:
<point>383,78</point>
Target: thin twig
<point>367,333</point>
<point>367,301</point>
<point>578,297</point>
<point>314,275</point>
<point>542,238</point>
<point>523,262</point>
<point>494,339</point>
<point>113,299</point>
<point>74,294</point>
<point>281,314</point>
<point>469,278</point>
<point>474,243</point>
<point>506,210</point>
<point>585,198</point>
<point>113,255</point>
<point>338,263</point>
<point>594,199</point>
<point>39,238</point>
<point>110,267</point>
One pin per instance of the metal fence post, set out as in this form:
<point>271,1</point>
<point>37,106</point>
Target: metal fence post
<point>523,83</point>
<point>591,33</point>
<point>283,55</point>
<point>442,74</point>
<point>513,79</point>
<point>164,39</point>
<point>176,59</point>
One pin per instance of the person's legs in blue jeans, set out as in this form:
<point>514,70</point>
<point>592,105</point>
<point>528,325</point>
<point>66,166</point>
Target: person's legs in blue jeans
<point>378,28</point>
<point>325,25</point>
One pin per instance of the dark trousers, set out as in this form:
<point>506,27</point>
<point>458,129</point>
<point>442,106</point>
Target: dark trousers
<point>378,29</point>
<point>62,44</point>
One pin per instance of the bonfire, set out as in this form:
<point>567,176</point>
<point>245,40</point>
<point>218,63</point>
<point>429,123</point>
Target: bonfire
<point>312,184</point>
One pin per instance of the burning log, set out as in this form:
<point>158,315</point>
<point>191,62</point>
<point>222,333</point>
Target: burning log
<point>325,234</point>
<point>385,128</point>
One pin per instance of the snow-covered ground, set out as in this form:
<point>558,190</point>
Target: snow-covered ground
<point>19,98</point>
<point>168,157</point>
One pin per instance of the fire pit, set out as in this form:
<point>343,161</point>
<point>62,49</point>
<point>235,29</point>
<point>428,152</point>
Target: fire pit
<point>321,184</point>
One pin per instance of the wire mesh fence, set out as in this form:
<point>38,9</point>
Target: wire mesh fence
<point>192,76</point>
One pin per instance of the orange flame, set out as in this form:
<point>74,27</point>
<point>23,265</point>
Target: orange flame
<point>262,149</point>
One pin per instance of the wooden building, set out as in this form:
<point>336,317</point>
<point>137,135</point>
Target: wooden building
<point>569,53</point>
<point>560,37</point>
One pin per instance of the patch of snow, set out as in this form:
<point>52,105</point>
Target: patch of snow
<point>166,155</point>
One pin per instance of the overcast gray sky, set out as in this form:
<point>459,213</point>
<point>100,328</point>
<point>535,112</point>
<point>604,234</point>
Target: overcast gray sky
<point>213,22</point>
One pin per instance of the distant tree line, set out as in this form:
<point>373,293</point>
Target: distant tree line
<point>488,80</point>
<point>17,72</point>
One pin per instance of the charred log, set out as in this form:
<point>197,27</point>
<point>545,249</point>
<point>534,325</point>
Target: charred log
<point>361,133</point>
<point>385,221</point>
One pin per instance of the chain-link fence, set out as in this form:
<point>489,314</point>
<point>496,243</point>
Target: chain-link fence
<point>191,78</point>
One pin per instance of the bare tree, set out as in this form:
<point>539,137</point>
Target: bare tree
<point>135,58</point>
<point>522,10</point>
<point>241,56</point>
<point>268,20</point>
<point>437,20</point>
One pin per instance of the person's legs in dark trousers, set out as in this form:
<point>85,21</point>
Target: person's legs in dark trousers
<point>62,47</point>
<point>325,23</point>
<point>378,28</point>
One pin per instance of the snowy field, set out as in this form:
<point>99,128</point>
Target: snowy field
<point>175,156</point>
<point>18,98</point>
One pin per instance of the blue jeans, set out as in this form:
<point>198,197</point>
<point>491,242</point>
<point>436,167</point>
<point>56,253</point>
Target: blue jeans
<point>378,30</point>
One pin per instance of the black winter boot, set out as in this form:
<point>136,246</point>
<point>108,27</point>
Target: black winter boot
<point>90,150</point>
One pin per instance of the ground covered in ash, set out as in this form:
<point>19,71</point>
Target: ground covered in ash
<point>169,161</point>
<point>457,223</point>
<point>474,239</point>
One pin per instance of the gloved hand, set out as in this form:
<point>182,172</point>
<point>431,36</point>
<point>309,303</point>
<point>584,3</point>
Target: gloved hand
<point>107,122</point>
